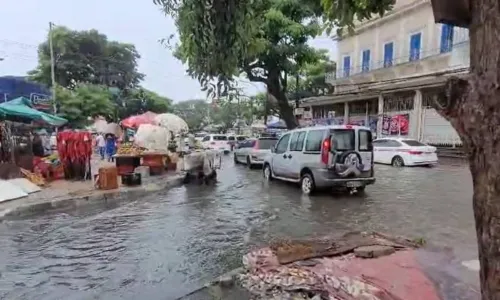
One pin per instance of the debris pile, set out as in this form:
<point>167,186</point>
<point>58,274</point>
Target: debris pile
<point>355,266</point>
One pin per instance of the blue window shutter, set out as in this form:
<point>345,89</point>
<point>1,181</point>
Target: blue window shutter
<point>446,38</point>
<point>365,63</point>
<point>347,66</point>
<point>415,46</point>
<point>388,54</point>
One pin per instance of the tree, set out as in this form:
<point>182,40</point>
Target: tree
<point>312,79</point>
<point>87,57</point>
<point>85,101</point>
<point>470,104</point>
<point>265,40</point>
<point>194,112</point>
<point>141,100</point>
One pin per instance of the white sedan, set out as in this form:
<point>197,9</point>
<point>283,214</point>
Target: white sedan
<point>400,152</point>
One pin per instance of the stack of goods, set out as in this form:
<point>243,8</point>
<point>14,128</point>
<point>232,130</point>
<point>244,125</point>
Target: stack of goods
<point>128,158</point>
<point>129,149</point>
<point>33,177</point>
<point>75,152</point>
<point>56,168</point>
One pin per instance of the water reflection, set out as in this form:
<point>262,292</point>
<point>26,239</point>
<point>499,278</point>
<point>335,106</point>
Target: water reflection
<point>167,244</point>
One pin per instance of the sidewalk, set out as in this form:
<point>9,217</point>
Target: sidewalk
<point>64,195</point>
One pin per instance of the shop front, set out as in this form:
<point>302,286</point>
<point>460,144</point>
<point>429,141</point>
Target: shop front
<point>398,116</point>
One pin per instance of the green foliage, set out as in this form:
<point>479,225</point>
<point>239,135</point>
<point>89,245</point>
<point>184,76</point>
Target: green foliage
<point>84,101</point>
<point>87,57</point>
<point>343,13</point>
<point>194,112</point>
<point>263,39</point>
<point>312,79</point>
<point>138,101</point>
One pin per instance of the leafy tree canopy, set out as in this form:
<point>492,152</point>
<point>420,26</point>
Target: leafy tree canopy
<point>87,57</point>
<point>312,79</point>
<point>83,102</point>
<point>194,112</point>
<point>141,100</point>
<point>266,40</point>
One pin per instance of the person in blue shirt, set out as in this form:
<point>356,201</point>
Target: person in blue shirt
<point>110,147</point>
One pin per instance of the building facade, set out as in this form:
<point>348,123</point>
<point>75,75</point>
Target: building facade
<point>390,70</point>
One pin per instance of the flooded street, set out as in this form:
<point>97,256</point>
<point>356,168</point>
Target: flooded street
<point>168,244</point>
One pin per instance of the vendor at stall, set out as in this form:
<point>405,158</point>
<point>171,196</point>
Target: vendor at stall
<point>37,145</point>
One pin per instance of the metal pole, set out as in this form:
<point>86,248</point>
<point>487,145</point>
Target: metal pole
<point>52,68</point>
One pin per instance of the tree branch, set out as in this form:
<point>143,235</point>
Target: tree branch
<point>253,77</point>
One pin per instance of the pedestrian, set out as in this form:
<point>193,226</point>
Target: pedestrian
<point>101,144</point>
<point>110,147</point>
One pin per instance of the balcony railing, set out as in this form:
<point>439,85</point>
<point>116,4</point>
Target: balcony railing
<point>461,41</point>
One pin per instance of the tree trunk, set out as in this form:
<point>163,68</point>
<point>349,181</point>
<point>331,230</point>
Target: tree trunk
<point>274,88</point>
<point>473,108</point>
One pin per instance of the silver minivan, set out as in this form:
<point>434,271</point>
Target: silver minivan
<point>253,151</point>
<point>323,157</point>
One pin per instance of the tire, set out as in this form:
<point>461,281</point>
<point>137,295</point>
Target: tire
<point>249,163</point>
<point>358,190</point>
<point>307,184</point>
<point>235,160</point>
<point>267,172</point>
<point>397,161</point>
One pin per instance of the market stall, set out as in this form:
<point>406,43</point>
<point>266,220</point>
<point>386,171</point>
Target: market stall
<point>24,140</point>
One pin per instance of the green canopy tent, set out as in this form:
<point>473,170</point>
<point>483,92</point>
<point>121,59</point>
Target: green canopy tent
<point>21,107</point>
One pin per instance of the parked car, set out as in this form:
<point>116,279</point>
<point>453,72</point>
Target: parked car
<point>401,152</point>
<point>323,157</point>
<point>216,142</point>
<point>235,139</point>
<point>253,151</point>
<point>199,136</point>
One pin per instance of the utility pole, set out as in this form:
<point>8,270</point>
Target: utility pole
<point>52,68</point>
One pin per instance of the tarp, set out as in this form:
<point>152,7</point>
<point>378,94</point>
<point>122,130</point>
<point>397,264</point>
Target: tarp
<point>172,123</point>
<point>152,137</point>
<point>278,124</point>
<point>20,107</point>
<point>136,121</point>
<point>10,191</point>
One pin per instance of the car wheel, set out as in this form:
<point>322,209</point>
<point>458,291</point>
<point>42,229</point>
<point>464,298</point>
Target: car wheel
<point>267,172</point>
<point>235,159</point>
<point>398,161</point>
<point>249,163</point>
<point>307,184</point>
<point>358,190</point>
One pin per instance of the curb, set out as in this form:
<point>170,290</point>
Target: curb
<point>108,198</point>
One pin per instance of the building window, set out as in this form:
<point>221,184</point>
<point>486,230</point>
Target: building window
<point>346,66</point>
<point>365,61</point>
<point>446,38</point>
<point>415,44</point>
<point>388,54</point>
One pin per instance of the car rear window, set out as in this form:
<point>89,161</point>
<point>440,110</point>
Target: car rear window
<point>220,138</point>
<point>365,140</point>
<point>413,143</point>
<point>241,138</point>
<point>344,139</point>
<point>267,143</point>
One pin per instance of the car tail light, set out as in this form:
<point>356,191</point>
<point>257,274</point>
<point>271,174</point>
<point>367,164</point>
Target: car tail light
<point>256,146</point>
<point>326,146</point>
<point>415,152</point>
<point>212,143</point>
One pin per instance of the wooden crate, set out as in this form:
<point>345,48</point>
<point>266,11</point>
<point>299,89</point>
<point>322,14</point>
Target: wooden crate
<point>108,178</point>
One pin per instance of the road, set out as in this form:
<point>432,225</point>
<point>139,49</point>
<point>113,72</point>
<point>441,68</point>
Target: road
<point>167,244</point>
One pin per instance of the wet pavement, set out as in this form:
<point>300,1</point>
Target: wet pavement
<point>168,244</point>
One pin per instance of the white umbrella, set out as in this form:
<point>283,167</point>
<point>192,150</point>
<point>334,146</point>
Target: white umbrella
<point>172,122</point>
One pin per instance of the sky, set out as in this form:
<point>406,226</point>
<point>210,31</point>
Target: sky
<point>24,25</point>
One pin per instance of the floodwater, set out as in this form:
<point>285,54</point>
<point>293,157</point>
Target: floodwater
<point>168,244</point>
